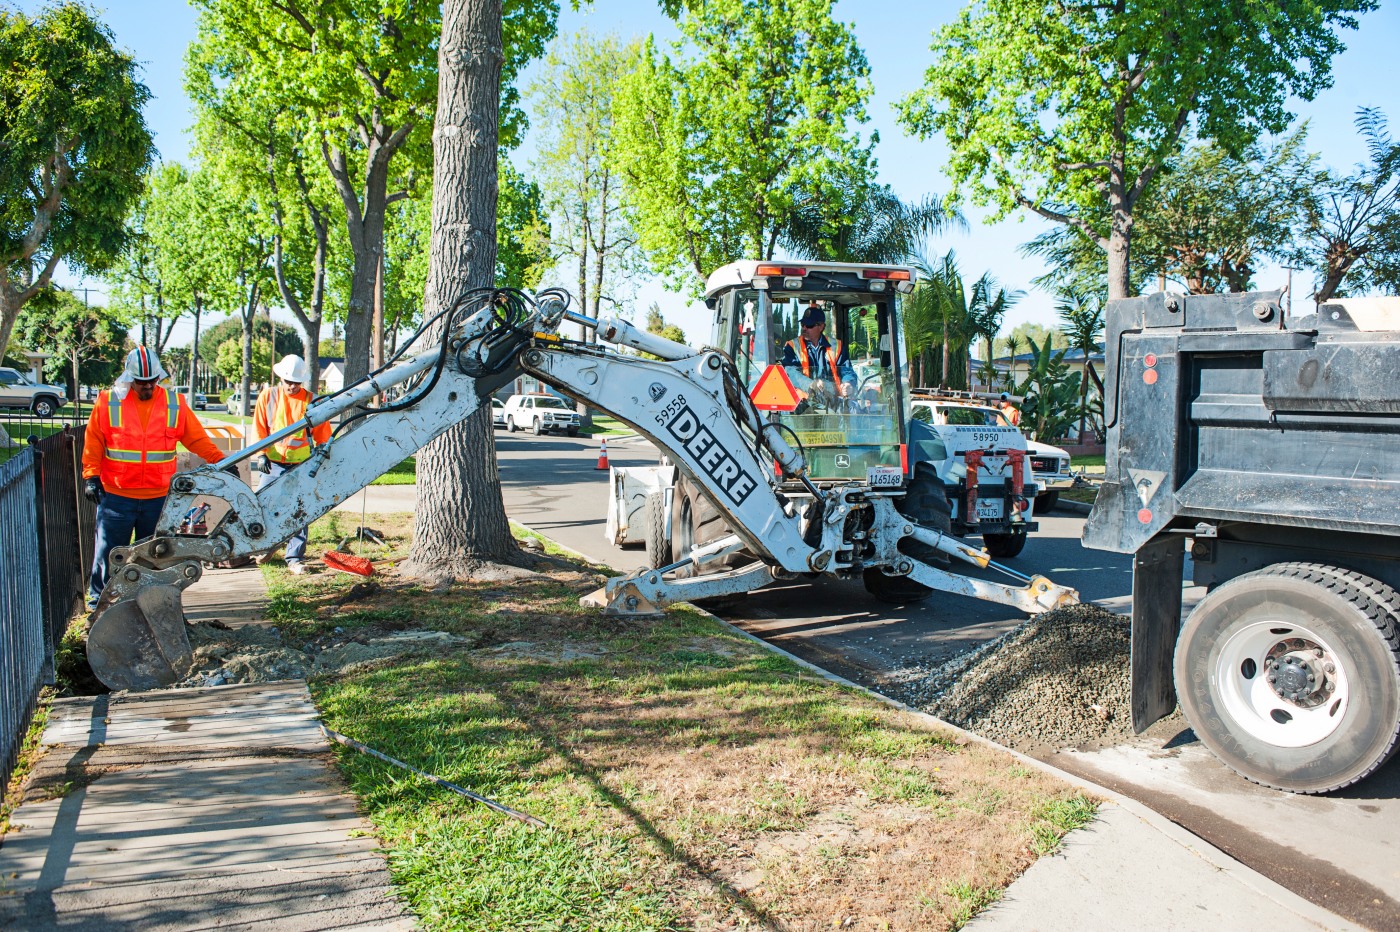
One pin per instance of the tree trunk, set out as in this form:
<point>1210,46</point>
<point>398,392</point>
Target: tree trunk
<point>376,346</point>
<point>194,356</point>
<point>461,517</point>
<point>1119,241</point>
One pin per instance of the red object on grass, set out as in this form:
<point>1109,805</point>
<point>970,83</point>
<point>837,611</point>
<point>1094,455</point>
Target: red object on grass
<point>348,563</point>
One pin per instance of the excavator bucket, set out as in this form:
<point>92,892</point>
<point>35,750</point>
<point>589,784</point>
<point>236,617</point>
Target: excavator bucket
<point>139,642</point>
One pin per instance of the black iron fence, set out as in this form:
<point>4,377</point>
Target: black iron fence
<point>23,658</point>
<point>46,541</point>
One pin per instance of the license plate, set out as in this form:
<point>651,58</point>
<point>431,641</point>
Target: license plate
<point>989,509</point>
<point>884,477</point>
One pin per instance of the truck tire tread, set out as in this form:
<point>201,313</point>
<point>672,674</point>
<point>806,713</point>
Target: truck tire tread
<point>1372,599</point>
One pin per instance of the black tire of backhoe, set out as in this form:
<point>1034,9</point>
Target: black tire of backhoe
<point>657,543</point>
<point>695,521</point>
<point>926,502</point>
<point>1376,619</point>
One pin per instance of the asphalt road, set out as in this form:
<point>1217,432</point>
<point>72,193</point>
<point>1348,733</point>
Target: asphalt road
<point>1341,851</point>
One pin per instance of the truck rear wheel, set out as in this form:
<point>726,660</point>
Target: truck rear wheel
<point>1291,675</point>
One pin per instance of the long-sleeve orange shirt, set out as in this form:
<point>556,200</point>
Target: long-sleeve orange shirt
<point>193,437</point>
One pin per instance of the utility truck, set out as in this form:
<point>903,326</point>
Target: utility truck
<point>1264,445</point>
<point>823,490</point>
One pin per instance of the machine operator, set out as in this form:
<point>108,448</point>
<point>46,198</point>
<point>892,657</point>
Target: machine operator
<point>819,370</point>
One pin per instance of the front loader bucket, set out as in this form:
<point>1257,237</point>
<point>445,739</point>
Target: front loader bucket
<point>139,642</point>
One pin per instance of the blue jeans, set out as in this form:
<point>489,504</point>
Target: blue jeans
<point>296,544</point>
<point>118,517</point>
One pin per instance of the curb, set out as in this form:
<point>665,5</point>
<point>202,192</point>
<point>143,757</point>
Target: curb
<point>1224,863</point>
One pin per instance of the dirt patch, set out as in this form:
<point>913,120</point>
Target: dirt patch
<point>257,654</point>
<point>1060,680</point>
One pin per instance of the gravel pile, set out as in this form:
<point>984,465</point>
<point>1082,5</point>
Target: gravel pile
<point>1059,680</point>
<point>258,654</point>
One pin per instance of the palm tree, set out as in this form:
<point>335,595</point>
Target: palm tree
<point>1013,349</point>
<point>1082,321</point>
<point>939,313</point>
<point>988,307</point>
<point>866,224</point>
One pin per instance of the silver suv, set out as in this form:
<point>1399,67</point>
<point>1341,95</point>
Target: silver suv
<point>16,391</point>
<point>541,413</point>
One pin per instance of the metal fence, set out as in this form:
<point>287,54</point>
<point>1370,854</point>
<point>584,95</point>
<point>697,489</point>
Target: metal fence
<point>46,541</point>
<point>23,658</point>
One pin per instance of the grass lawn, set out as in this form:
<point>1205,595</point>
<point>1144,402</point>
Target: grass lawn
<point>691,778</point>
<point>406,473</point>
<point>604,426</point>
<point>1096,460</point>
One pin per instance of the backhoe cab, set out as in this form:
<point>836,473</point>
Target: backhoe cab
<point>855,428</point>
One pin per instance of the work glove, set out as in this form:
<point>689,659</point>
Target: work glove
<point>233,471</point>
<point>92,489</point>
<point>261,464</point>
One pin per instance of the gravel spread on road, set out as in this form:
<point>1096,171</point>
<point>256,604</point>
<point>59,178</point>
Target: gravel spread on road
<point>1059,680</point>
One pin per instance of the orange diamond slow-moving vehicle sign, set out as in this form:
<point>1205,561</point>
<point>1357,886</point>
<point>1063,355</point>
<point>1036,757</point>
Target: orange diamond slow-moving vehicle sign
<point>774,391</point>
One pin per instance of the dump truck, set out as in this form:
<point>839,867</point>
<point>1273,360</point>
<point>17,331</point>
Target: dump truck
<point>1263,445</point>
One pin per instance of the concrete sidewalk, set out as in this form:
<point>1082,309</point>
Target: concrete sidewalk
<point>193,809</point>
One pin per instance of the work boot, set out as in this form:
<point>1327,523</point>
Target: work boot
<point>262,558</point>
<point>296,567</point>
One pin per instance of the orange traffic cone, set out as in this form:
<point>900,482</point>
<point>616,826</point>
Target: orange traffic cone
<point>603,454</point>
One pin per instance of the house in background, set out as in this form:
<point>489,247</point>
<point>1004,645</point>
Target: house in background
<point>332,374</point>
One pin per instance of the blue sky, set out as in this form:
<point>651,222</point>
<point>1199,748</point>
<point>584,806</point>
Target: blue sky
<point>895,37</point>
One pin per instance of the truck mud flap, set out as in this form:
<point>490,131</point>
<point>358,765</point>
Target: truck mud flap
<point>1157,570</point>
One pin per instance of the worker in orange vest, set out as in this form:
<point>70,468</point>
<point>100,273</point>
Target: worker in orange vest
<point>129,456</point>
<point>282,405</point>
<point>1009,410</point>
<point>826,369</point>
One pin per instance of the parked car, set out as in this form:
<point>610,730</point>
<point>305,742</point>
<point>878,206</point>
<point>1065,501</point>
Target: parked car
<point>498,413</point>
<point>201,402</point>
<point>541,413</point>
<point>17,391</point>
<point>233,403</point>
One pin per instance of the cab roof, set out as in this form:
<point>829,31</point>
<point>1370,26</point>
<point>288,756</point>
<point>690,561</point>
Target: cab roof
<point>743,272</point>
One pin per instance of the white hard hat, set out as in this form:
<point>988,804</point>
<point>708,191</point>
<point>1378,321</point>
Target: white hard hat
<point>143,364</point>
<point>292,368</point>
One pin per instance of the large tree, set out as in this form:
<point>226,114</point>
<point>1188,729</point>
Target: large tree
<point>74,145</point>
<point>1207,221</point>
<point>1069,109</point>
<point>1348,232</point>
<point>359,78</point>
<point>572,98</point>
<point>461,517</point>
<point>87,341</point>
<point>751,114</point>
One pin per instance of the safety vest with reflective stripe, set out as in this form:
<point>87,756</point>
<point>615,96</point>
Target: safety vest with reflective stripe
<point>283,411</point>
<point>833,353</point>
<point>137,455</point>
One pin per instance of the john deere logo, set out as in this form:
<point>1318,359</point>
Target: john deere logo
<point>658,391</point>
<point>843,461</point>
